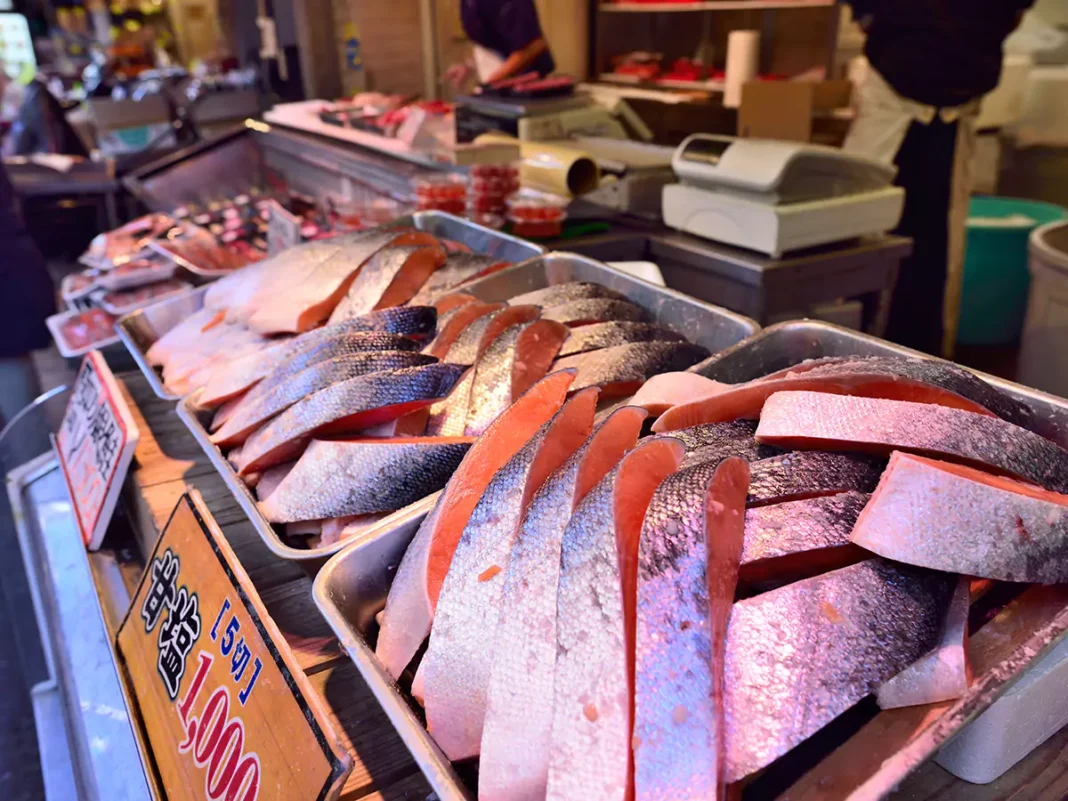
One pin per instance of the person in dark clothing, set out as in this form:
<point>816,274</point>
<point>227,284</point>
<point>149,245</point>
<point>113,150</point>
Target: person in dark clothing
<point>27,297</point>
<point>41,126</point>
<point>507,38</point>
<point>930,62</point>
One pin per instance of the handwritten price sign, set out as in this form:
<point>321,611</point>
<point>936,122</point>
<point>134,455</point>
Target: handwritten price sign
<point>95,445</point>
<point>227,710</point>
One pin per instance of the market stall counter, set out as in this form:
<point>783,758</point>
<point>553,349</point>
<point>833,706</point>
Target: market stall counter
<point>765,288</point>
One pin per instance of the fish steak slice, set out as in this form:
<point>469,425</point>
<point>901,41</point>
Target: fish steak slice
<point>389,278</point>
<point>622,369</point>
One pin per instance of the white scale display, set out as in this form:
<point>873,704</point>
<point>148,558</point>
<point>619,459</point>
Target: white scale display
<point>773,196</point>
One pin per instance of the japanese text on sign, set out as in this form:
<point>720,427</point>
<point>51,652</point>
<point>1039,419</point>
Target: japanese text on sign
<point>95,444</point>
<point>214,682</point>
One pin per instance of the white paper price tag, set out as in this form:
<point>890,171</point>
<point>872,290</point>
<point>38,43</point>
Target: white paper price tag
<point>95,444</point>
<point>283,228</point>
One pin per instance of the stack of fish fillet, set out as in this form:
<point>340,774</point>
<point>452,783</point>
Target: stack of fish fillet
<point>612,616</point>
<point>349,377</point>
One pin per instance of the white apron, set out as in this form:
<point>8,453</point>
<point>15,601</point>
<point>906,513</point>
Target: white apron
<point>883,118</point>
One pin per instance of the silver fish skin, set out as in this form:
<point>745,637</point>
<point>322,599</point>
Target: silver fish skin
<point>456,668</point>
<point>688,558</point>
<point>337,478</point>
<point>840,422</point>
<point>801,655</point>
<point>378,275</point>
<point>592,691</point>
<point>459,268</point>
<point>517,730</point>
<point>513,362</point>
<point>807,474</point>
<point>283,394</point>
<point>615,332</point>
<point>363,396</point>
<point>630,365</point>
<point>595,310</point>
<point>294,355</point>
<point>564,293</point>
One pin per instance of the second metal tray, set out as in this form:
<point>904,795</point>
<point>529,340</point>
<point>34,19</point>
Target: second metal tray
<point>352,588</point>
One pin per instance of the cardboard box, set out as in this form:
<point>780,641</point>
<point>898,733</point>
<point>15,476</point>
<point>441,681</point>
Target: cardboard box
<point>796,111</point>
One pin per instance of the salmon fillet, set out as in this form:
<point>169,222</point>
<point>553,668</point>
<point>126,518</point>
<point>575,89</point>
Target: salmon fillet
<point>413,597</point>
<point>513,362</point>
<point>593,693</point>
<point>622,369</point>
<point>459,268</point>
<point>616,332</point>
<point>456,667</point>
<point>688,557</point>
<point>514,763</point>
<point>480,333</point>
<point>390,277</point>
<point>801,655</point>
<point>453,323</point>
<point>304,304</point>
<point>587,311</point>
<point>556,294</point>
<point>663,391</point>
<point>962,520</point>
<point>941,674</point>
<point>816,420</point>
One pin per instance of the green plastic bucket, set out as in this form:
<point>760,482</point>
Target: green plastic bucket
<point>994,297</point>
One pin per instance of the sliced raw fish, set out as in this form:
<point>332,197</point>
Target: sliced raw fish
<point>282,394</point>
<point>585,311</point>
<point>453,323</point>
<point>180,337</point>
<point>446,303</point>
<point>347,406</point>
<point>304,304</point>
<point>593,687</point>
<point>622,369</point>
<point>456,667</point>
<point>716,434</point>
<point>473,340</point>
<point>293,355</point>
<point>816,420</point>
<point>663,391</point>
<point>942,674</point>
<point>799,656</point>
<point>564,293</point>
<point>448,417</point>
<point>852,378</point>
<point>516,734</point>
<point>959,519</point>
<point>938,373</point>
<point>185,369</point>
<point>414,594</point>
<point>458,269</point>
<point>339,529</point>
<point>269,479</point>
<point>239,286</point>
<point>616,332</point>
<point>810,474</point>
<point>513,362</point>
<point>790,541</point>
<point>390,277</point>
<point>338,478</point>
<point>688,556</point>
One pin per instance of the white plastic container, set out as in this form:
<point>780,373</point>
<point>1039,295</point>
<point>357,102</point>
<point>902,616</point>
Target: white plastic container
<point>1043,355</point>
<point>1032,711</point>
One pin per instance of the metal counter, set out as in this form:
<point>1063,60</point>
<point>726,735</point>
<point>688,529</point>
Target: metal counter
<point>760,286</point>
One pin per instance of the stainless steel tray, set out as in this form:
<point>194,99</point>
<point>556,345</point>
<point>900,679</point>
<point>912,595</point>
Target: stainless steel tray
<point>480,239</point>
<point>140,330</point>
<point>708,325</point>
<point>352,588</point>
<point>312,559</point>
<point>712,326</point>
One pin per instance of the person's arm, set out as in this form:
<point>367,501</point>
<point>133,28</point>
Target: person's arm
<point>518,61</point>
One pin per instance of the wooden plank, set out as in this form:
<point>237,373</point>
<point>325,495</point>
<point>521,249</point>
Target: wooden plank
<point>412,788</point>
<point>291,607</point>
<point>381,757</point>
<point>1041,776</point>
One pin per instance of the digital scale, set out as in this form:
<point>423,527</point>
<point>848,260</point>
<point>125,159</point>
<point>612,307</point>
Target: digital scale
<point>547,119</point>
<point>773,196</point>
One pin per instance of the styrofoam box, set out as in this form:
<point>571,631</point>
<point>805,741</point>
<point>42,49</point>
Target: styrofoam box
<point>1032,711</point>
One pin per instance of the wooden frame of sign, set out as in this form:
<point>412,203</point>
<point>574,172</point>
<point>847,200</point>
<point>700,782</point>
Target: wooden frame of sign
<point>95,445</point>
<point>222,702</point>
